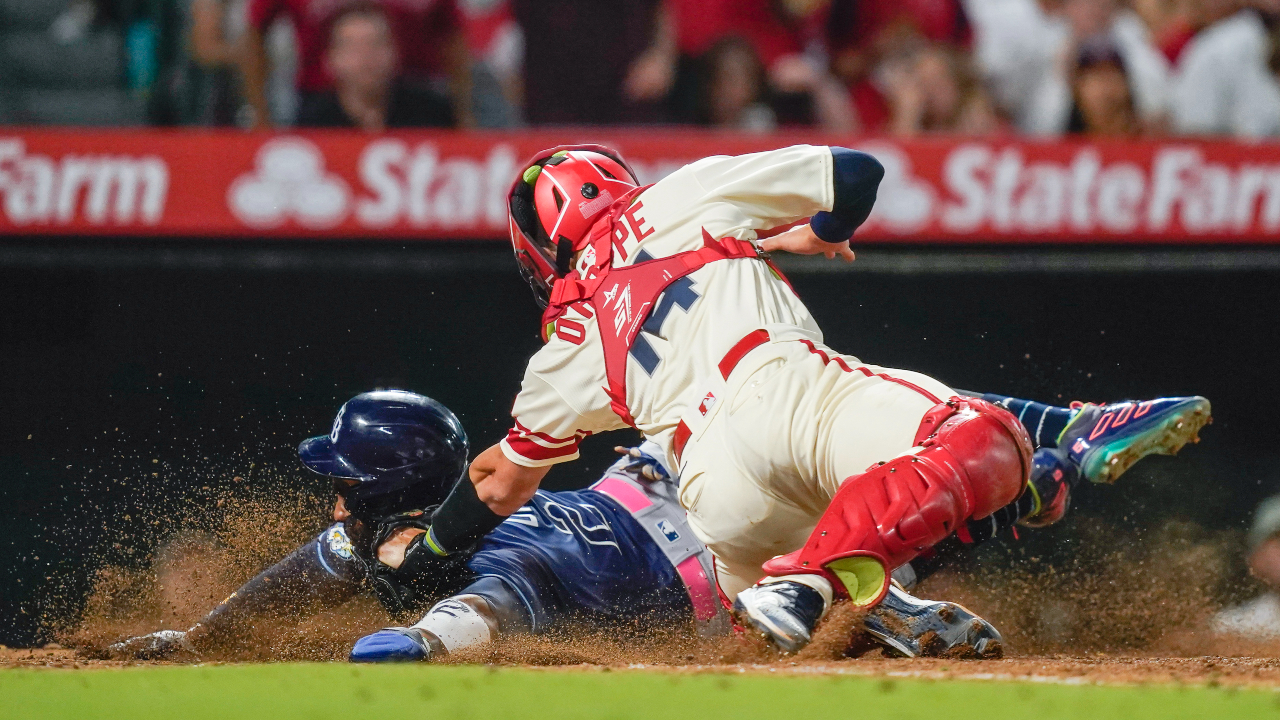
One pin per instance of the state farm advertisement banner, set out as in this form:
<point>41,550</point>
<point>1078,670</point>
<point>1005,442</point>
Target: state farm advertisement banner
<point>444,185</point>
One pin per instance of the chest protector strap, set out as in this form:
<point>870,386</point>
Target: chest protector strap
<point>621,298</point>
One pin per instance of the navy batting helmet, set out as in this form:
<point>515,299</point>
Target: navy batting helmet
<point>405,451</point>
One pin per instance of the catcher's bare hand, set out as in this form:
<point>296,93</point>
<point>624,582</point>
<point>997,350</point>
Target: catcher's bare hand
<point>801,240</point>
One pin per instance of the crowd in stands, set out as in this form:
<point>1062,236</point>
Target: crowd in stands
<point>1113,68</point>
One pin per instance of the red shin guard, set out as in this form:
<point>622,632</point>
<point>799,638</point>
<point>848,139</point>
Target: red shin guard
<point>974,458</point>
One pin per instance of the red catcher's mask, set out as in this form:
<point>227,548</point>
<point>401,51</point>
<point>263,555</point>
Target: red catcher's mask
<point>554,203</point>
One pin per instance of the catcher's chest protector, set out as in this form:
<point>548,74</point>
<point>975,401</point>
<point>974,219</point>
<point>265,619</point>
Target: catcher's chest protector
<point>621,298</point>
<point>974,458</point>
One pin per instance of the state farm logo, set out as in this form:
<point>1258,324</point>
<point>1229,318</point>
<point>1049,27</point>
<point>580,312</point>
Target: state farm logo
<point>289,182</point>
<point>98,189</point>
<point>1177,190</point>
<point>904,203</point>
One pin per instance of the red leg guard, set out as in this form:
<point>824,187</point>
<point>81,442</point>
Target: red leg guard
<point>975,458</point>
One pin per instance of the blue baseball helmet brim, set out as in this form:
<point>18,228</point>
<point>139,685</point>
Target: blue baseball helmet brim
<point>319,455</point>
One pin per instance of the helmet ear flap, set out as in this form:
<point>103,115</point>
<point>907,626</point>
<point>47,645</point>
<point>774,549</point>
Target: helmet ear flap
<point>522,209</point>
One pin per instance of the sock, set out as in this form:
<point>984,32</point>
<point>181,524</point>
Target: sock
<point>988,527</point>
<point>1043,422</point>
<point>456,623</point>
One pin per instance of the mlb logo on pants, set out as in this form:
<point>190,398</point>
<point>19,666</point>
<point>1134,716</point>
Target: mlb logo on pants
<point>668,531</point>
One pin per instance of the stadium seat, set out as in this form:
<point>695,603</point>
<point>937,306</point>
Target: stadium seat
<point>98,107</point>
<point>30,14</point>
<point>35,60</point>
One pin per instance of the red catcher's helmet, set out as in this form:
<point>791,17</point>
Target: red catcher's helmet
<point>554,203</point>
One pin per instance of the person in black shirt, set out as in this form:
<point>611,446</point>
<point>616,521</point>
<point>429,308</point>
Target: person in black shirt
<point>367,91</point>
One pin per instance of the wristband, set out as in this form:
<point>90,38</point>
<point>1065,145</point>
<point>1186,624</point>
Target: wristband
<point>461,520</point>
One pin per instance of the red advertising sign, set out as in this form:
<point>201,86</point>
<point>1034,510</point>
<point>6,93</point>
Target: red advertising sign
<point>445,185</point>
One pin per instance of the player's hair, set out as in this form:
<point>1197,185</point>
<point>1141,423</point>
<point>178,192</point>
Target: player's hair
<point>359,8</point>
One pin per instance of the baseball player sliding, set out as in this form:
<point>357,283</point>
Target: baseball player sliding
<point>619,555</point>
<point>808,474</point>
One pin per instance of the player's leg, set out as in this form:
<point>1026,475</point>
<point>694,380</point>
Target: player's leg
<point>762,472</point>
<point>1102,441</point>
<point>967,459</point>
<point>1097,442</point>
<point>478,615</point>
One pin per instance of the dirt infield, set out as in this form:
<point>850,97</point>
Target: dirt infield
<point>1099,669</point>
<point>1124,611</point>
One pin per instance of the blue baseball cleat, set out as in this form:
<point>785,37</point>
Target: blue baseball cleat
<point>395,644</point>
<point>1103,441</point>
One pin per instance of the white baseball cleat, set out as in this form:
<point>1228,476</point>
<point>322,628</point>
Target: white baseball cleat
<point>912,627</point>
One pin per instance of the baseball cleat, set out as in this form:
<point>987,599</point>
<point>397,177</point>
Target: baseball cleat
<point>159,645</point>
<point>1104,441</point>
<point>912,627</point>
<point>394,644</point>
<point>785,612</point>
<point>1051,479</point>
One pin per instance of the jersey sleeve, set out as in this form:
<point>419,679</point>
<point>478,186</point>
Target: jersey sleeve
<point>771,188</point>
<point>561,401</point>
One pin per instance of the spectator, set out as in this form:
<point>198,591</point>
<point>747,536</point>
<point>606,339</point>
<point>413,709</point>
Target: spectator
<point>1168,25</point>
<point>362,60</point>
<point>934,90</point>
<point>785,38</point>
<point>216,37</point>
<point>578,56</point>
<point>428,34</point>
<point>874,41</point>
<point>1028,54</point>
<point>496,45</point>
<point>1222,82</point>
<point>1259,619</point>
<point>733,95</point>
<point>1102,103</point>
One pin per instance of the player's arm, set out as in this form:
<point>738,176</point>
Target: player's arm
<point>855,178</point>
<point>307,581</point>
<point>319,575</point>
<point>497,488</point>
<point>254,65</point>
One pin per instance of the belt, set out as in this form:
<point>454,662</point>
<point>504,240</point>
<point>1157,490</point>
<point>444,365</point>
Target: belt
<point>749,342</point>
<point>701,589</point>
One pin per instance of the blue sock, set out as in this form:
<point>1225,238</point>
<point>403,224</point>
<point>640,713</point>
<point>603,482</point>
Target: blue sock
<point>1043,422</point>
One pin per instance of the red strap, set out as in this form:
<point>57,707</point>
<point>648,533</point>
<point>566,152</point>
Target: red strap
<point>645,282</point>
<point>749,342</point>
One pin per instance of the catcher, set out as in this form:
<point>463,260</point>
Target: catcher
<point>807,473</point>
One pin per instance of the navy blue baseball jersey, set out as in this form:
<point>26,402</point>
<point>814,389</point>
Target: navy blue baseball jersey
<point>620,552</point>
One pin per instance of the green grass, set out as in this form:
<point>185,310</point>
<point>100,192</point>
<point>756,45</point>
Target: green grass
<point>346,692</point>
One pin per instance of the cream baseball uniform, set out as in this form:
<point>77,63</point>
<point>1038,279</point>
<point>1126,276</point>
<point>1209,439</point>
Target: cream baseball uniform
<point>771,444</point>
